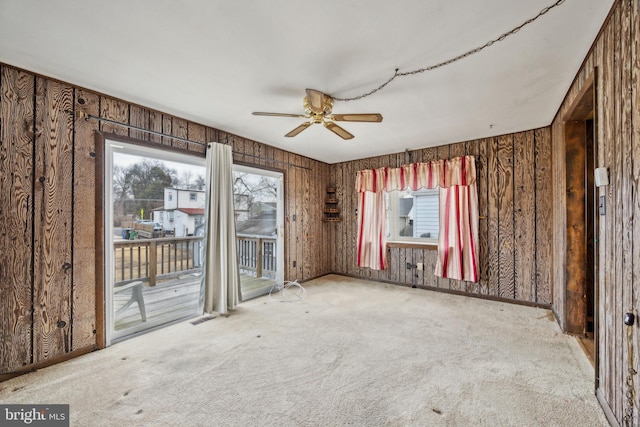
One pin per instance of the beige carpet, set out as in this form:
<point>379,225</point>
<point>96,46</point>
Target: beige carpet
<point>352,353</point>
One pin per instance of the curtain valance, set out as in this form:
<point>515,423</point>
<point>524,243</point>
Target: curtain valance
<point>441,173</point>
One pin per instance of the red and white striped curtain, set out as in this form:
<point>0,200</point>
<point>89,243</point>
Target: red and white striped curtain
<point>458,236</point>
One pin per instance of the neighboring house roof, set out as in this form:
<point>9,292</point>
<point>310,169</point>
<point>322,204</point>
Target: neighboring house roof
<point>184,190</point>
<point>257,227</point>
<point>192,211</point>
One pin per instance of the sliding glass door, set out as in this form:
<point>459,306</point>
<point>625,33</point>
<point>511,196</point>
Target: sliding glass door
<point>258,203</point>
<point>154,227</point>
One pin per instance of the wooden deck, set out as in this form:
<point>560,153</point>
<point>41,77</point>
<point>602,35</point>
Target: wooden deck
<point>174,299</point>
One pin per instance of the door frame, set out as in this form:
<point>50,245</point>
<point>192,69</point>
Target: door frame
<point>583,109</point>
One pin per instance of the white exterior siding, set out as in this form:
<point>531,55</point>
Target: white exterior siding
<point>425,211</point>
<point>172,218</point>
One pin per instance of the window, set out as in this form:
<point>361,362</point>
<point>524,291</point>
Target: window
<point>193,197</point>
<point>170,215</point>
<point>170,196</point>
<point>413,216</point>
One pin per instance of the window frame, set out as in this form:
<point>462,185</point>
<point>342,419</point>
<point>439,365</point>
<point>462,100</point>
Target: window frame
<point>392,211</point>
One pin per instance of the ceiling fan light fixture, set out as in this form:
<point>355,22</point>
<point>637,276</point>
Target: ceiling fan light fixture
<point>318,107</point>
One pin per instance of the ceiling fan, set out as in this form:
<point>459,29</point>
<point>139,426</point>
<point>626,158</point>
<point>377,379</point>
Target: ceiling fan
<point>318,106</point>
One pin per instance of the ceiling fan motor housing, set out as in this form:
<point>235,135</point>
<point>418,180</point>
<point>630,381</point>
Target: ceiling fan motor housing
<point>327,106</point>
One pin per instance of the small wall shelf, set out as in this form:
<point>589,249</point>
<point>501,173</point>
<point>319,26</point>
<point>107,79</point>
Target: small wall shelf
<point>331,211</point>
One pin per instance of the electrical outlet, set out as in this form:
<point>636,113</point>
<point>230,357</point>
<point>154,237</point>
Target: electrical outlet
<point>420,266</point>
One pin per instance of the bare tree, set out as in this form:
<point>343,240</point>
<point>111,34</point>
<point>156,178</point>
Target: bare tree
<point>249,189</point>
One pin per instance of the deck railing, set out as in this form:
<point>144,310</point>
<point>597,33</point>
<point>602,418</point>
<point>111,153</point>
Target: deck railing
<point>257,254</point>
<point>163,258</point>
<point>151,259</point>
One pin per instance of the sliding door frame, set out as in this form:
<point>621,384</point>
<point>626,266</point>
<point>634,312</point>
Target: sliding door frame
<point>103,164</point>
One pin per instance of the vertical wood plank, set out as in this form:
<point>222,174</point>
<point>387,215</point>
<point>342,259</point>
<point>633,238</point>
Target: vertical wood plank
<point>53,220</point>
<point>524,210</point>
<point>350,221</point>
<point>558,212</point>
<point>323,229</point>
<point>619,372</point>
<point>543,206</point>
<point>167,129</point>
<point>292,220</point>
<point>430,259</point>
<point>458,149</point>
<point>179,129</point>
<point>635,152</point>
<point>394,265</point>
<point>402,265</point>
<point>483,210</point>
<point>16,222</point>
<point>340,251</point>
<point>212,135</point>
<point>418,257</point>
<point>315,247</point>
<point>155,124</point>
<point>84,244</point>
<point>299,209</point>
<point>139,117</point>
<point>628,189</point>
<point>308,255</point>
<point>256,151</point>
<point>609,242</point>
<point>332,178</point>
<point>430,154</point>
<point>505,205</point>
<point>196,133</point>
<point>493,218</point>
<point>115,110</point>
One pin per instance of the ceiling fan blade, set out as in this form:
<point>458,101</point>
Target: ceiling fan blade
<point>316,100</point>
<point>357,117</point>
<point>259,113</point>
<point>298,129</point>
<point>342,133</point>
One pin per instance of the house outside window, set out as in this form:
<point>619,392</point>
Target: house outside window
<point>413,216</point>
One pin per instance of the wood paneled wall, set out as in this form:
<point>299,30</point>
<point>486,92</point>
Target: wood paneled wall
<point>615,61</point>
<point>514,197</point>
<point>47,212</point>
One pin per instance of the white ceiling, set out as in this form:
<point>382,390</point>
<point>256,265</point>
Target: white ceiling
<point>214,62</point>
